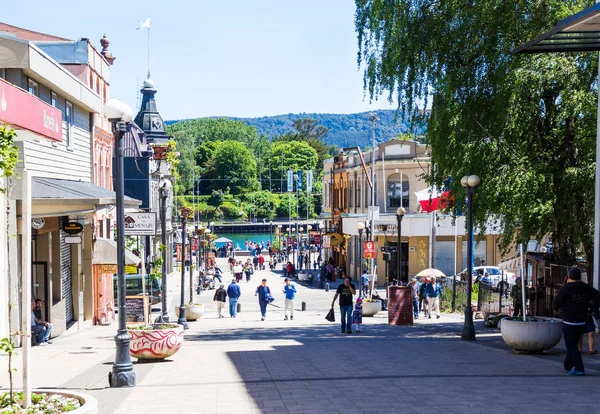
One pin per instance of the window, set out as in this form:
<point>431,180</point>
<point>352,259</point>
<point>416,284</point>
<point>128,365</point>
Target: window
<point>398,194</point>
<point>32,87</point>
<point>2,73</point>
<point>53,99</point>
<point>69,120</point>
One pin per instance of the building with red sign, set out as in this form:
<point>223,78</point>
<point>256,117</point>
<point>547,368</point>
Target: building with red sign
<point>52,92</point>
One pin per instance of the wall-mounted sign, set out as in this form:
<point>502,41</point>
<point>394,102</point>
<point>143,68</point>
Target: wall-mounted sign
<point>140,224</point>
<point>39,117</point>
<point>38,222</point>
<point>73,240</point>
<point>335,239</point>
<point>72,227</point>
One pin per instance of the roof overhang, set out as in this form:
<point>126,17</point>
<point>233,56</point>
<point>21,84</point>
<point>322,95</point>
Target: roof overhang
<point>577,33</point>
<point>55,197</point>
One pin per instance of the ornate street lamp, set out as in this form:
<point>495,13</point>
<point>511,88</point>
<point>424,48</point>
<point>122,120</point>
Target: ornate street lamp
<point>361,228</point>
<point>470,183</point>
<point>206,244</point>
<point>399,216</point>
<point>122,373</point>
<point>165,190</point>
<point>182,320</point>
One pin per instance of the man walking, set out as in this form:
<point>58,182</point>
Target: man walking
<point>345,292</point>
<point>576,300</point>
<point>433,292</point>
<point>517,296</point>
<point>264,298</point>
<point>415,296</point>
<point>221,298</point>
<point>290,295</point>
<point>234,292</point>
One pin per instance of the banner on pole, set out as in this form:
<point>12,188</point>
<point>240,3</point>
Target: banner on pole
<point>290,181</point>
<point>370,250</point>
<point>309,181</point>
<point>299,181</point>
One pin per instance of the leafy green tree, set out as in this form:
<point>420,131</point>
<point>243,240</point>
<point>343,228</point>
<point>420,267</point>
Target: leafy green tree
<point>524,124</point>
<point>234,167</point>
<point>292,155</point>
<point>287,205</point>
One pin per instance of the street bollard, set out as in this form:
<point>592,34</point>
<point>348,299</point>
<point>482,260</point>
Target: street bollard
<point>239,307</point>
<point>303,306</point>
<point>326,287</point>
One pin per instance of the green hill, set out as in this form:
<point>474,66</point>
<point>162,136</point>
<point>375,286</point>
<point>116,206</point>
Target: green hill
<point>344,129</point>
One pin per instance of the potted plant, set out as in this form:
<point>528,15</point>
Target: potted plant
<point>532,335</point>
<point>156,341</point>
<point>371,307</point>
<point>193,311</point>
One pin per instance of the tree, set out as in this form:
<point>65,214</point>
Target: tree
<point>293,155</point>
<point>524,124</point>
<point>233,166</point>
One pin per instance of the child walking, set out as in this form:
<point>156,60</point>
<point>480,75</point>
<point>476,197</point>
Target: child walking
<point>357,315</point>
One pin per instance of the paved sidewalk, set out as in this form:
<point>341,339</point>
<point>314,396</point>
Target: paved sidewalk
<point>243,365</point>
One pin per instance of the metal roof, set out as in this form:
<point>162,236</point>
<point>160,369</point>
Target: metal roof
<point>56,191</point>
<point>577,33</point>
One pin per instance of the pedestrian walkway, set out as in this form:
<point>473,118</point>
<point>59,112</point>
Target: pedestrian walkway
<point>244,365</point>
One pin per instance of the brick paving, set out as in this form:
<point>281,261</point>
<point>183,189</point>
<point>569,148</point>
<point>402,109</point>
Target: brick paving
<point>243,365</point>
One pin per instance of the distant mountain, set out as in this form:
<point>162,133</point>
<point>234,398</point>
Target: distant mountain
<point>345,130</point>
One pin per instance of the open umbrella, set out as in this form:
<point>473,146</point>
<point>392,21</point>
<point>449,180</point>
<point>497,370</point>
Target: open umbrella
<point>223,240</point>
<point>431,273</point>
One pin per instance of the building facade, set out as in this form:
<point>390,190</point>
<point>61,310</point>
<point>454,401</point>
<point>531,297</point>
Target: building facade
<point>56,140</point>
<point>428,240</point>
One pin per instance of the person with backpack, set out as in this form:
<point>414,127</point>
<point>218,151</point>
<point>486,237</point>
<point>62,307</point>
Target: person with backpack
<point>248,270</point>
<point>264,298</point>
<point>290,295</point>
<point>576,300</point>
<point>221,298</point>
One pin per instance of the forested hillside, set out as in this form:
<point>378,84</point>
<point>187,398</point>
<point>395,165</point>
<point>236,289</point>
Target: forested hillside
<point>344,129</point>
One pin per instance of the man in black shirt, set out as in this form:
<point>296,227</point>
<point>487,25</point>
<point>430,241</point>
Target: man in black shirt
<point>345,292</point>
<point>576,300</point>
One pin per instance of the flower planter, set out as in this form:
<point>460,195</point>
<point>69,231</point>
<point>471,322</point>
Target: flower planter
<point>89,405</point>
<point>192,312</point>
<point>532,336</point>
<point>371,308</point>
<point>158,343</point>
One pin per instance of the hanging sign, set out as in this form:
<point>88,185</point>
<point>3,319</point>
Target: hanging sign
<point>140,224</point>
<point>73,240</point>
<point>309,181</point>
<point>299,180</point>
<point>326,242</point>
<point>370,250</point>
<point>72,227</point>
<point>317,239</point>
<point>290,181</point>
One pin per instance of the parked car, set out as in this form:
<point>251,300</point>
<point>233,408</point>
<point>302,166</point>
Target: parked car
<point>491,275</point>
<point>133,287</point>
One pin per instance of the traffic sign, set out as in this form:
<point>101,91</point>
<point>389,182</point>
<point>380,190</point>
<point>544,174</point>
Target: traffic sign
<point>370,250</point>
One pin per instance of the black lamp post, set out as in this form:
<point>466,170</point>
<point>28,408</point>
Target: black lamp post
<point>182,320</point>
<point>361,228</point>
<point>207,232</point>
<point>271,234</point>
<point>399,216</point>
<point>308,230</point>
<point>470,183</point>
<point>122,373</point>
<point>165,190</point>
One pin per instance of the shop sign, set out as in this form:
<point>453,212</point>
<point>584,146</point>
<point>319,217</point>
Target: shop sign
<point>73,227</point>
<point>326,242</point>
<point>140,224</point>
<point>73,240</point>
<point>317,239</point>
<point>370,250</point>
<point>40,117</point>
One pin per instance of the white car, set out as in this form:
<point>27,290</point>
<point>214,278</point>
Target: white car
<point>491,275</point>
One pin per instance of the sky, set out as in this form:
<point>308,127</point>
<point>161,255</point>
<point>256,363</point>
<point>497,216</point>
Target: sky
<point>243,58</point>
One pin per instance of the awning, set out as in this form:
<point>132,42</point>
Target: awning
<point>105,252</point>
<point>56,197</point>
<point>577,33</point>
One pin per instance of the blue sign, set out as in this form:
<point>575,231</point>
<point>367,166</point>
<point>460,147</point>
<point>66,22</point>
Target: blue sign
<point>299,182</point>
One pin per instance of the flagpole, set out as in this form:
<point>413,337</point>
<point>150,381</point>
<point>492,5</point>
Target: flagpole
<point>148,52</point>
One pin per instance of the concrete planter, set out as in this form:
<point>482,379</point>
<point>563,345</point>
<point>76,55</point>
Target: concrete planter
<point>155,343</point>
<point>89,405</point>
<point>371,308</point>
<point>532,336</point>
<point>192,312</point>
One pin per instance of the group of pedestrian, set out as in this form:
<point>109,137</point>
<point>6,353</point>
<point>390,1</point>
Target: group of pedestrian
<point>426,297</point>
